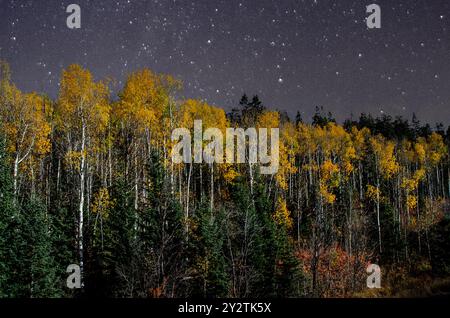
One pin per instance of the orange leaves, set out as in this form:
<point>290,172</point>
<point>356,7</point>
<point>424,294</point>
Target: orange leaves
<point>336,269</point>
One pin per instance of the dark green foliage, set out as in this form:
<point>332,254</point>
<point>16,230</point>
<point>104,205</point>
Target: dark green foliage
<point>28,239</point>
<point>161,227</point>
<point>7,212</point>
<point>247,113</point>
<point>207,249</point>
<point>397,128</point>
<point>37,262</point>
<point>121,235</point>
<point>440,247</point>
<point>149,243</point>
<point>63,248</point>
<point>270,268</point>
<point>321,118</point>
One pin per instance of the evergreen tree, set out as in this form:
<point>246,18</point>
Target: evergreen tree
<point>37,263</point>
<point>321,119</point>
<point>63,249</point>
<point>161,228</point>
<point>207,249</point>
<point>298,118</point>
<point>7,213</point>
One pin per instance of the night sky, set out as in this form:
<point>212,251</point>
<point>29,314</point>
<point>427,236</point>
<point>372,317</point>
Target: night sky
<point>295,54</point>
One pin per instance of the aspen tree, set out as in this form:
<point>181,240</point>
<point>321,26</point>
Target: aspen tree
<point>82,115</point>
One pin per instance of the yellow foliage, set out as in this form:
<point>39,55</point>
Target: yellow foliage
<point>329,170</point>
<point>145,103</point>
<point>373,193</point>
<point>411,184</point>
<point>102,203</point>
<point>286,167</point>
<point>329,197</point>
<point>73,159</point>
<point>210,116</point>
<point>268,119</point>
<point>384,152</point>
<point>436,149</point>
<point>420,152</point>
<point>25,122</point>
<point>359,138</point>
<point>411,202</point>
<point>82,101</point>
<point>229,173</point>
<point>282,216</point>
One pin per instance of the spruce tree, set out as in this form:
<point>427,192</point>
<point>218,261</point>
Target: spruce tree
<point>207,249</point>
<point>7,211</point>
<point>38,262</point>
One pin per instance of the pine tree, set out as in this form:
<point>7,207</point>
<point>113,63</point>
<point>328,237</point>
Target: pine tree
<point>7,212</point>
<point>37,263</point>
<point>160,230</point>
<point>28,268</point>
<point>120,243</point>
<point>63,248</point>
<point>207,250</point>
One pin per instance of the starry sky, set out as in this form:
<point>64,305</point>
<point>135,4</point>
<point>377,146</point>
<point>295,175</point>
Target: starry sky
<point>295,54</point>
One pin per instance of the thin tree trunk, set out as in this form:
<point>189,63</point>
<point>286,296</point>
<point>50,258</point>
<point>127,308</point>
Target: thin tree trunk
<point>212,186</point>
<point>187,201</point>
<point>81,206</point>
<point>378,207</point>
<point>15,177</point>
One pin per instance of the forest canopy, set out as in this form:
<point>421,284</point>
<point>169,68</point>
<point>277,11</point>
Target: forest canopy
<point>88,179</point>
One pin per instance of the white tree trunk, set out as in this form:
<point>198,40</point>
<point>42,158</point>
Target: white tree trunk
<point>81,207</point>
<point>187,200</point>
<point>378,215</point>
<point>15,177</point>
<point>212,186</point>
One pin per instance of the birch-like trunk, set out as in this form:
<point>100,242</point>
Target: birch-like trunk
<point>81,207</point>
<point>212,187</point>
<point>15,177</point>
<point>378,209</point>
<point>187,201</point>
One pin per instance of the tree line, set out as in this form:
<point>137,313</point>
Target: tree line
<point>88,179</point>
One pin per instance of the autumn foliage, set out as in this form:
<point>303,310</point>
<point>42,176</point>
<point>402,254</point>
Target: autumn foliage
<point>141,225</point>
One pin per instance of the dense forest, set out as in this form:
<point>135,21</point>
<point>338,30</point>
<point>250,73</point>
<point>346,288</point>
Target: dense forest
<point>88,179</point>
